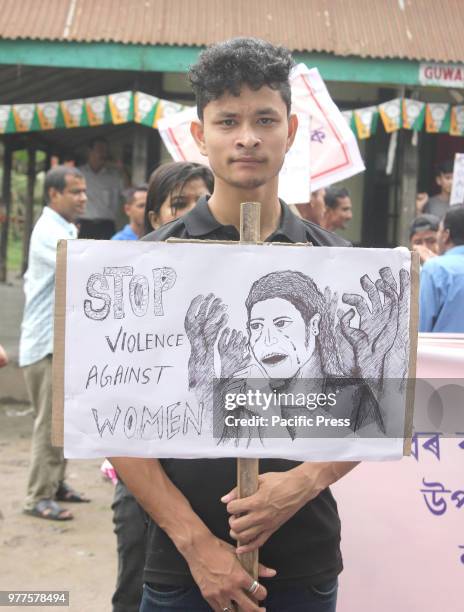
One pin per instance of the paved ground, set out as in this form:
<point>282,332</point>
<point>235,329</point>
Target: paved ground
<point>78,555</point>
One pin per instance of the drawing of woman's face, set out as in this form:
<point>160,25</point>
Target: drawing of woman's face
<point>277,335</point>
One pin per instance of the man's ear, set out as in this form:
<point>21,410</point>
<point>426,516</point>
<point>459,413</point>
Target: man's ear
<point>292,128</point>
<point>52,193</point>
<point>197,131</point>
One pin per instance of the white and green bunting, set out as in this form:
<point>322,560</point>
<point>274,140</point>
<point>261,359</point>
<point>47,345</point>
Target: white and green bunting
<point>116,108</point>
<point>391,115</point>
<point>437,118</point>
<point>365,121</point>
<point>456,121</point>
<point>413,114</point>
<point>127,106</point>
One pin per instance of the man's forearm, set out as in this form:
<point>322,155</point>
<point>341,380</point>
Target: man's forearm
<point>316,476</point>
<point>162,500</point>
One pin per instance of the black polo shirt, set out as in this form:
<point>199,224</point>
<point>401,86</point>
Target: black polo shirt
<point>306,549</point>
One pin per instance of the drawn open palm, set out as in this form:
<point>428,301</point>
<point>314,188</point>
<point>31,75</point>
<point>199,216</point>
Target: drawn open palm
<point>204,319</point>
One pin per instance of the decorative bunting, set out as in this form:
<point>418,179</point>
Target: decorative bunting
<point>145,108</point>
<point>72,112</point>
<point>23,115</point>
<point>413,114</point>
<point>365,120</point>
<point>391,115</point>
<point>126,106</point>
<point>121,107</point>
<point>4,116</point>
<point>457,121</point>
<point>47,113</point>
<point>96,110</point>
<point>437,118</point>
<point>166,108</point>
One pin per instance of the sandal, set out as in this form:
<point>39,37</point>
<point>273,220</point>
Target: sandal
<point>65,493</point>
<point>49,509</point>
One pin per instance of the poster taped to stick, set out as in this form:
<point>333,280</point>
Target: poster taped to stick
<point>224,350</point>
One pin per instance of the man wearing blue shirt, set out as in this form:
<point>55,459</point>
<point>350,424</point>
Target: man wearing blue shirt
<point>442,279</point>
<point>135,210</point>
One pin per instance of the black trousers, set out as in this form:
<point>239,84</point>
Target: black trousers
<point>97,229</point>
<point>130,527</point>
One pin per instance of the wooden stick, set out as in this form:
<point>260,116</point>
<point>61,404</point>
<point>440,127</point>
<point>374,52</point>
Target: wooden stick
<point>413,338</point>
<point>248,469</point>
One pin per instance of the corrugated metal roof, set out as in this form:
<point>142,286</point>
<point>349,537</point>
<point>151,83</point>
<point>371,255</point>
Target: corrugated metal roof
<point>412,29</point>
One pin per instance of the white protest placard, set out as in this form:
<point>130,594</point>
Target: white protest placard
<point>457,190</point>
<point>167,355</point>
<point>335,153</point>
<point>325,150</point>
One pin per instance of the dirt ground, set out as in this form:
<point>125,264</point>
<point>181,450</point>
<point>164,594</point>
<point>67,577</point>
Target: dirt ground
<point>77,555</point>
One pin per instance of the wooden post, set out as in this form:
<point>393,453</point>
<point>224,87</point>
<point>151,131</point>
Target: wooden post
<point>248,469</point>
<point>29,216</point>
<point>6,202</point>
<point>408,187</point>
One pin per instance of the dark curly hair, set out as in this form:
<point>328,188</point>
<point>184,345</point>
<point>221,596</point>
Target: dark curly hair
<point>226,66</point>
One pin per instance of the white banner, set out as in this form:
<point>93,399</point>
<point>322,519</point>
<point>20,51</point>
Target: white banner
<point>443,75</point>
<point>165,356</point>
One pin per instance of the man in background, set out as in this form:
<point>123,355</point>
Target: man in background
<point>104,193</point>
<point>338,211</point>
<point>442,279</point>
<point>438,204</point>
<point>315,209</point>
<point>136,200</point>
<point>66,199</point>
<point>423,236</point>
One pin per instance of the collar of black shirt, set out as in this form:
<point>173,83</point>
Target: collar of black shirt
<point>200,222</point>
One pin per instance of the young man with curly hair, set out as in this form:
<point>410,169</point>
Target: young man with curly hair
<point>246,127</point>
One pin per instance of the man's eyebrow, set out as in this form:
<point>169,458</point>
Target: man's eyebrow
<point>226,114</point>
<point>267,111</point>
<point>257,319</point>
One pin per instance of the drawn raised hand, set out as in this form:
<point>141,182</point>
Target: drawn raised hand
<point>233,351</point>
<point>378,325</point>
<point>396,361</point>
<point>203,321</point>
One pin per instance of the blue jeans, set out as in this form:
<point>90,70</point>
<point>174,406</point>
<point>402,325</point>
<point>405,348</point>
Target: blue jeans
<point>322,598</point>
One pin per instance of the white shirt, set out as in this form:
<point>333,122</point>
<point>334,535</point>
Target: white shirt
<point>39,286</point>
<point>104,192</point>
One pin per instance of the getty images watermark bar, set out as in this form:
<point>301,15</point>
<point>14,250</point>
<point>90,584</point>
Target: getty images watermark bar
<point>34,598</point>
<point>335,408</point>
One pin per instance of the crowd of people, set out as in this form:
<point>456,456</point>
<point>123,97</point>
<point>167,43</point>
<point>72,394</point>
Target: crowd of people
<point>174,540</point>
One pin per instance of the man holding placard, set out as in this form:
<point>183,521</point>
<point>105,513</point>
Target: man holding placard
<point>245,129</point>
